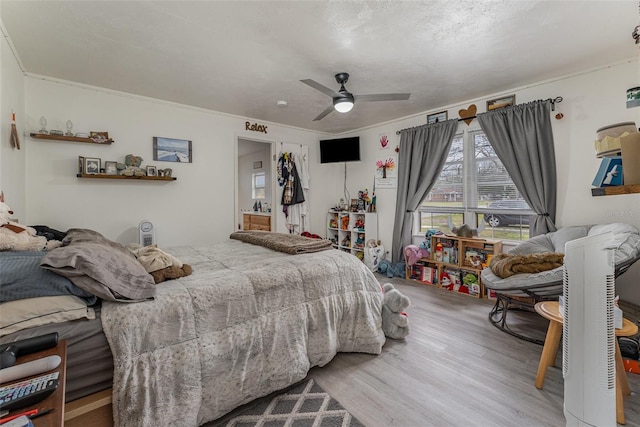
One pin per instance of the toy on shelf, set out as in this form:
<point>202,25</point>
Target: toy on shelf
<point>426,245</point>
<point>131,166</point>
<point>333,223</point>
<point>470,280</point>
<point>345,222</point>
<point>439,252</point>
<point>359,225</point>
<point>464,230</point>
<point>346,242</point>
<point>359,243</point>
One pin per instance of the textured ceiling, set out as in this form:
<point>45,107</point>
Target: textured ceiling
<point>241,57</point>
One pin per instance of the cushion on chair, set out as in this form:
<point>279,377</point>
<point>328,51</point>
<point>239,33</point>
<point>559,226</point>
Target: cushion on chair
<point>626,240</point>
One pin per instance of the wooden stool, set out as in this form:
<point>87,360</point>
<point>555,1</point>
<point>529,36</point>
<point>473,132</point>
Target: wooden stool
<point>549,310</point>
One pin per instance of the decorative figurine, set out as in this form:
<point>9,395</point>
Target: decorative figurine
<point>43,123</point>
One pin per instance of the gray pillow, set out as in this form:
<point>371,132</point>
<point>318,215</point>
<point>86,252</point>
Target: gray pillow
<point>22,277</point>
<point>100,266</point>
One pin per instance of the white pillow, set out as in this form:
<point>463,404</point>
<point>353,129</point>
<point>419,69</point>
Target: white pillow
<point>27,313</point>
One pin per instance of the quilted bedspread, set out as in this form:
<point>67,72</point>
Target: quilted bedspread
<point>247,322</point>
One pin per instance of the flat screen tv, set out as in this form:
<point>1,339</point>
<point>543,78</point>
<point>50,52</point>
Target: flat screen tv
<point>340,150</point>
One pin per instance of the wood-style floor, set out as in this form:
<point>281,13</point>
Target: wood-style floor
<point>454,369</point>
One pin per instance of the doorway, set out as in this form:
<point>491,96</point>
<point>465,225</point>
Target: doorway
<point>254,179</point>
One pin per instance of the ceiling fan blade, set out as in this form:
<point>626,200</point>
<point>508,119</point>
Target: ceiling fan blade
<point>324,113</point>
<point>322,88</point>
<point>383,97</point>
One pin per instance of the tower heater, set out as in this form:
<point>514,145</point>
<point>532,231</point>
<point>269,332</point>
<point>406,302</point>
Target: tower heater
<point>588,343</point>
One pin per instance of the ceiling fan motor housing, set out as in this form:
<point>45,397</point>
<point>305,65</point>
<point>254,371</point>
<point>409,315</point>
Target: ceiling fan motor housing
<point>342,78</point>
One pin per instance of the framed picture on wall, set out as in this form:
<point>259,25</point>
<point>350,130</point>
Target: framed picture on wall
<point>172,150</point>
<point>257,165</point>
<point>437,117</point>
<point>505,101</point>
<point>152,171</point>
<point>91,166</point>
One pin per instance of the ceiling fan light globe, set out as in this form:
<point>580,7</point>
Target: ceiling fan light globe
<point>343,105</point>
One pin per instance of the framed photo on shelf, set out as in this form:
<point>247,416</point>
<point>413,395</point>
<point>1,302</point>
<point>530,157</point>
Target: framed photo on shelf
<point>152,171</point>
<point>91,165</point>
<point>505,101</point>
<point>437,117</point>
<point>80,165</point>
<point>111,168</point>
<point>172,150</point>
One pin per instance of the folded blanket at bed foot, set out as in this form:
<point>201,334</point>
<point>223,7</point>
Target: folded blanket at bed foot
<point>288,243</point>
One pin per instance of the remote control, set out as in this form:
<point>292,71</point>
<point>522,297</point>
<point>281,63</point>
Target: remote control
<point>27,369</point>
<point>25,393</point>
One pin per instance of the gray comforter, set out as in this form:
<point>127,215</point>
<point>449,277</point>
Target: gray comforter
<point>247,322</point>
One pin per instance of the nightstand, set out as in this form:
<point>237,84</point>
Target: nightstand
<point>55,400</point>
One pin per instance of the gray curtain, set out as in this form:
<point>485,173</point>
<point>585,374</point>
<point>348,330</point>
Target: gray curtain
<point>423,152</point>
<point>523,141</point>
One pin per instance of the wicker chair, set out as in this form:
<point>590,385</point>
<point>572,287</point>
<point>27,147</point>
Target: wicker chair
<point>523,291</point>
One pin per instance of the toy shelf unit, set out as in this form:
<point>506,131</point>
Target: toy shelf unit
<point>349,231</point>
<point>455,263</point>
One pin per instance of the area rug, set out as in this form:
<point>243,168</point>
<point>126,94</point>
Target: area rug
<point>304,405</point>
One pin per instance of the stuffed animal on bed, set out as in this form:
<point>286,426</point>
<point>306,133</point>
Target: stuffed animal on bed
<point>131,166</point>
<point>171,272</point>
<point>395,322</point>
<point>17,237</point>
<point>160,264</point>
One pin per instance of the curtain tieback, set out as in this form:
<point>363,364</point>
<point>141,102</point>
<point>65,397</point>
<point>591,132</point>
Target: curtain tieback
<point>544,214</point>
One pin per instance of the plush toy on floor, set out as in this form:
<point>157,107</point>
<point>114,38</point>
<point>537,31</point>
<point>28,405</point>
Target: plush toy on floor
<point>17,237</point>
<point>395,322</point>
<point>391,269</point>
<point>131,166</point>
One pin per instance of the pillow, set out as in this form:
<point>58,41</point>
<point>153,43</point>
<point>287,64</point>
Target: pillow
<point>30,312</point>
<point>100,266</point>
<point>22,277</point>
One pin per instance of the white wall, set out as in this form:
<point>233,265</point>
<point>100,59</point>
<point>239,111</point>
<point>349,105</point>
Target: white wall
<point>12,161</point>
<point>198,207</point>
<point>591,100</point>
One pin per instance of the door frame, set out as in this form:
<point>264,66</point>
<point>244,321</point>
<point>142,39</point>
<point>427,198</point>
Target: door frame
<point>236,208</point>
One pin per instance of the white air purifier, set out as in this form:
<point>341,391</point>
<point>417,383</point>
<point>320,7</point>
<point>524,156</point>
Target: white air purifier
<point>147,233</point>
<point>588,341</point>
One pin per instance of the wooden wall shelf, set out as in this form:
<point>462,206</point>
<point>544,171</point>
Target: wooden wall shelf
<point>69,138</point>
<point>616,190</point>
<point>143,178</point>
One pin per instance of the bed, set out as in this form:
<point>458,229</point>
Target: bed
<point>247,322</point>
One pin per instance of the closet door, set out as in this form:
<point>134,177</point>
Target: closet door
<point>300,154</point>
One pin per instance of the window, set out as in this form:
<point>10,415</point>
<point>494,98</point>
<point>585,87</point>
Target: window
<point>474,187</point>
<point>258,185</point>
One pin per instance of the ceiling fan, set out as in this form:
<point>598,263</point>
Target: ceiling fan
<point>343,100</point>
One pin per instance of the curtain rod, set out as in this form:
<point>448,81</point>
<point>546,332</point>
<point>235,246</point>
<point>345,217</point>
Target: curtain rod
<point>554,101</point>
